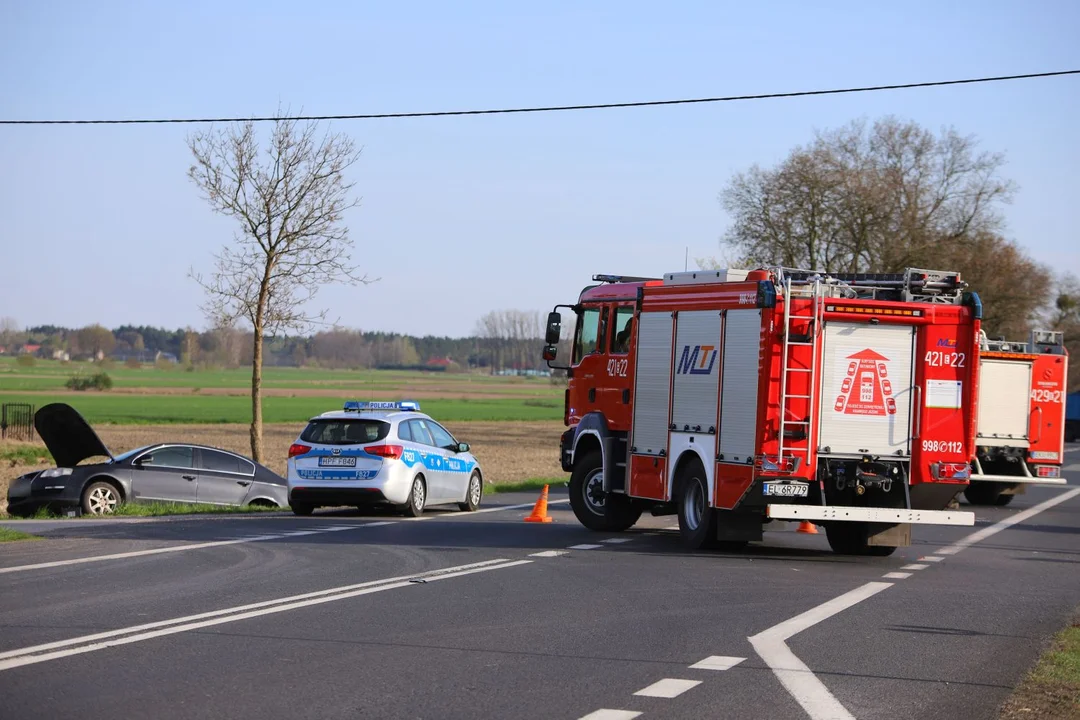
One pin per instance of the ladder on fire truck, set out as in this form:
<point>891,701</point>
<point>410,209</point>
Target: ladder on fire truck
<point>795,430</point>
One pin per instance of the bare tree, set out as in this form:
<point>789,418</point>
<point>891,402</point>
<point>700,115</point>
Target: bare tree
<point>289,201</point>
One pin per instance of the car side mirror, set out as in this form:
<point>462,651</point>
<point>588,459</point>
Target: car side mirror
<point>138,462</point>
<point>554,328</point>
<point>463,447</point>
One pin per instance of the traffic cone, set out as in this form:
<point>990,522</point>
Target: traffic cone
<point>807,527</point>
<point>540,513</point>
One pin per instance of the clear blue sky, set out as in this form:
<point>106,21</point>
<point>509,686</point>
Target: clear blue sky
<point>463,215</point>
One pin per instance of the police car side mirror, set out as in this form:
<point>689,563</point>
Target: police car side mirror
<point>550,352</point>
<point>554,328</point>
<point>463,447</point>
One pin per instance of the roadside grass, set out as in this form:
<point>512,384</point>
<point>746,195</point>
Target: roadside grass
<point>24,455</point>
<point>131,409</point>
<point>524,485</point>
<point>1051,690</point>
<point>9,535</point>
<point>157,509</point>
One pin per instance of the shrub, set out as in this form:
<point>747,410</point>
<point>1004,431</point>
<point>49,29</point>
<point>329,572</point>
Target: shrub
<point>25,361</point>
<point>132,363</point>
<point>98,381</point>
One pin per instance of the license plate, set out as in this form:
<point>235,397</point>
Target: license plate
<point>787,489</point>
<point>337,462</point>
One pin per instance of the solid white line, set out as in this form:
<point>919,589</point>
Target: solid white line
<point>792,672</point>
<point>717,662</point>
<point>616,541</point>
<point>668,688</point>
<point>301,532</point>
<point>549,553</point>
<point>584,546</point>
<point>611,715</point>
<point>896,575</point>
<point>915,566</point>
<point>21,657</point>
<point>980,535</point>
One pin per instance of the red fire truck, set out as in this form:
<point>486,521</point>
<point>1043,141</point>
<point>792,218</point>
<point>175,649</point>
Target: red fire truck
<point>1020,434</point>
<point>736,398</point>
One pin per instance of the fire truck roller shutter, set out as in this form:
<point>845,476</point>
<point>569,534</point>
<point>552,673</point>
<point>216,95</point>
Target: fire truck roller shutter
<point>652,384</point>
<point>866,389</point>
<point>739,402</point>
<point>1004,396</point>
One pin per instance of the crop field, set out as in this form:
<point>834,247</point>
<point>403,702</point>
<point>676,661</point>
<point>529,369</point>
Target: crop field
<point>513,424</point>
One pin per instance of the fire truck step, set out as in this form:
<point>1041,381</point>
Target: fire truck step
<point>803,370</point>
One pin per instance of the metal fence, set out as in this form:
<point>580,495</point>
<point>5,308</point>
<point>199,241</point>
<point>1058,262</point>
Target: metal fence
<point>17,421</point>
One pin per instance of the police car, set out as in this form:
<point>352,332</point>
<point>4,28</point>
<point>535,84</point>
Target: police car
<point>381,453</point>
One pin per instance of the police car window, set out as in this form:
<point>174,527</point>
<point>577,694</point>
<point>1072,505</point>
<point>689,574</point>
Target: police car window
<point>177,457</point>
<point>345,432</point>
<point>403,432</point>
<point>442,438</point>
<point>420,432</point>
<point>585,342</point>
<point>620,335</point>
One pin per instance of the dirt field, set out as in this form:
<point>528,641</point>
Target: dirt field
<point>508,452</point>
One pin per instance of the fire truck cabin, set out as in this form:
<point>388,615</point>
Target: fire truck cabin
<point>737,398</point>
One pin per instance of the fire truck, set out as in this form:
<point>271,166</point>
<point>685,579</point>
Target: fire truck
<point>737,399</point>
<point>1020,435</point>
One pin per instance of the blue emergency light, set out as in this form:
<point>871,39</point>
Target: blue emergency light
<point>357,406</point>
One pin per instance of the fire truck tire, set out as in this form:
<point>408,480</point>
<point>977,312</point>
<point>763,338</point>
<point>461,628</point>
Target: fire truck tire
<point>850,538</point>
<point>1003,500</point>
<point>587,497</point>
<point>697,520</point>
<point>984,493</point>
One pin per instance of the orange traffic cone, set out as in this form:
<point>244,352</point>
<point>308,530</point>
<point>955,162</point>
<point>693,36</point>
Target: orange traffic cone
<point>540,513</point>
<point>807,527</point>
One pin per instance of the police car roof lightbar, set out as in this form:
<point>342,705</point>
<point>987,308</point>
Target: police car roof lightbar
<point>357,406</point>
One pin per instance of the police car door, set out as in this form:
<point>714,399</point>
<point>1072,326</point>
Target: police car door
<point>455,471</point>
<point>433,460</point>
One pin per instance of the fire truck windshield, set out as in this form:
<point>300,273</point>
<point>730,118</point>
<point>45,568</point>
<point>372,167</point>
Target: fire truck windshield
<point>587,333</point>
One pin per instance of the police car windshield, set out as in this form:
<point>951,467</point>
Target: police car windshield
<point>345,432</point>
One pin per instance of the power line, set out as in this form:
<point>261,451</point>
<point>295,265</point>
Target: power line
<point>553,108</point>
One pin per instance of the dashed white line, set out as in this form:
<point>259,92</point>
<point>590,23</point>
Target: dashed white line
<point>717,662</point>
<point>549,553</point>
<point>896,575</point>
<point>616,541</point>
<point>611,715</point>
<point>584,546</point>
<point>931,558</point>
<point>915,566</point>
<point>668,688</point>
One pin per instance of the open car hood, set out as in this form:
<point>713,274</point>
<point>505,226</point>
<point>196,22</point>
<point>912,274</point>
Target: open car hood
<point>68,436</point>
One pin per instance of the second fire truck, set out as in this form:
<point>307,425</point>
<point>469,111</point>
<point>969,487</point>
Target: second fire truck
<point>736,398</point>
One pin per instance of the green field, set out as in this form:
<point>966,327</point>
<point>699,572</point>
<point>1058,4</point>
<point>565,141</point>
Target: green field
<point>149,395</point>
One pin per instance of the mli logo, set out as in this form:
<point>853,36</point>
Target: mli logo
<point>693,361</point>
<point>946,343</point>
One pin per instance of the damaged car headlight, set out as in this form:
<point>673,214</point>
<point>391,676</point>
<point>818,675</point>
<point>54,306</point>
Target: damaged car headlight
<point>55,472</point>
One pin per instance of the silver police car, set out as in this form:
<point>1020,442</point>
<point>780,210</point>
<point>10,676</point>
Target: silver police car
<point>381,453</point>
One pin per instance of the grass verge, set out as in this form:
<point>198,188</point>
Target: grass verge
<point>24,455</point>
<point>1051,690</point>
<point>524,485</point>
<point>9,535</point>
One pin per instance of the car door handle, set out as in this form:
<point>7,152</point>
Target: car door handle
<point>189,478</point>
<point>245,483</point>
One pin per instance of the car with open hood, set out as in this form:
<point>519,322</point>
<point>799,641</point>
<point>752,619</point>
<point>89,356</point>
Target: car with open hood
<point>162,472</point>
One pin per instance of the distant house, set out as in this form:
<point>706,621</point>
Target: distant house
<point>28,349</point>
<point>166,357</point>
<point>60,355</point>
<point>443,362</point>
<point>3,350</point>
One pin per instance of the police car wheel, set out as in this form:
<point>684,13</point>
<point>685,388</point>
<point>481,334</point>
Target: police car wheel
<point>476,491</point>
<point>414,506</point>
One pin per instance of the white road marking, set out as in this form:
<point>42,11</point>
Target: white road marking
<point>717,662</point>
<point>125,636</point>
<point>980,535</point>
<point>1071,468</point>
<point>549,553</point>
<point>616,541</point>
<point>668,688</point>
<point>301,532</point>
<point>672,527</point>
<point>915,566</point>
<point>611,715</point>
<point>896,575</point>
<point>931,558</point>
<point>792,672</point>
<point>584,546</point>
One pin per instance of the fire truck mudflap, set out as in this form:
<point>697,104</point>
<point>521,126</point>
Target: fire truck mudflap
<point>774,395</point>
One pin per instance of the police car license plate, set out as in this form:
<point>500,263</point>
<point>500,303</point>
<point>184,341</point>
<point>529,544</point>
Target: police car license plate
<point>337,462</point>
<point>787,489</point>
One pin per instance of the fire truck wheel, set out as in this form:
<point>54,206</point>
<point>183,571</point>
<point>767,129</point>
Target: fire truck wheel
<point>850,538</point>
<point>697,520</point>
<point>587,496</point>
<point>984,493</point>
<point>1003,500</point>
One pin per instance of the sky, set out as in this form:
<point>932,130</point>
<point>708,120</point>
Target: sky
<point>463,215</point>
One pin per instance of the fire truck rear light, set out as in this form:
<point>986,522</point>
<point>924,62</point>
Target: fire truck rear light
<point>776,464</point>
<point>391,452</point>
<point>951,471</point>
<point>1048,471</point>
<point>298,449</point>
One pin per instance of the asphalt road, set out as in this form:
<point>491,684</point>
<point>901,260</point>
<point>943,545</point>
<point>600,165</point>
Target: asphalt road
<point>481,615</point>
